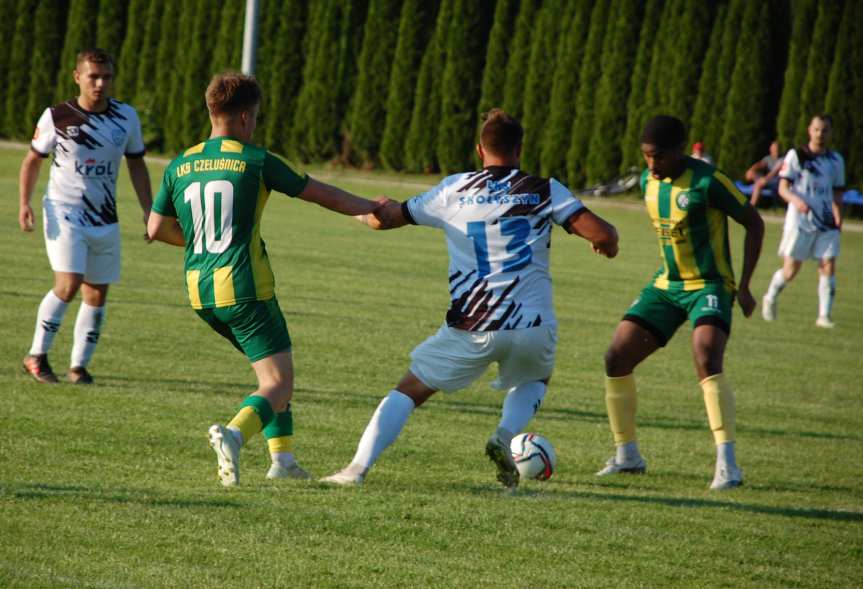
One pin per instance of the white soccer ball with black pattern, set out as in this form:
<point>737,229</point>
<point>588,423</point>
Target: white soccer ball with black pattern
<point>534,456</point>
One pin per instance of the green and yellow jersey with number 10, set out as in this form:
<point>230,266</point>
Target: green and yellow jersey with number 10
<point>690,214</point>
<point>217,190</point>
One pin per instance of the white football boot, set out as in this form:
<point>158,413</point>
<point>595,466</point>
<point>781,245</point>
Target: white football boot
<point>635,466</point>
<point>825,322</point>
<point>726,477</point>
<point>228,454</point>
<point>293,471</point>
<point>351,475</point>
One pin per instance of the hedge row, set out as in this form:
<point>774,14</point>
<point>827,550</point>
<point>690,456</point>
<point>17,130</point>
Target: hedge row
<point>403,83</point>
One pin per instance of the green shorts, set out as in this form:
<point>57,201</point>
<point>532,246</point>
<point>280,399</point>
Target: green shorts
<point>256,328</point>
<point>661,312</point>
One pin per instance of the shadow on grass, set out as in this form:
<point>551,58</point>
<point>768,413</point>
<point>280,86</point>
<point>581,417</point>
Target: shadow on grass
<point>42,491</point>
<point>674,502</point>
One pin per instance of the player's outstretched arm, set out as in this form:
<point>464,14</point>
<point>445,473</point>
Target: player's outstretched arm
<point>754,225</point>
<point>26,183</point>
<point>601,234</point>
<point>162,228</point>
<point>336,199</point>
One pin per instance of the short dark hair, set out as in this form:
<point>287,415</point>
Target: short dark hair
<point>232,92</point>
<point>94,55</point>
<point>501,133</point>
<point>824,117</point>
<point>665,132</point>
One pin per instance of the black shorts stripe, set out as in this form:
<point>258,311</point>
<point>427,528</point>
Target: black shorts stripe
<point>715,321</point>
<point>660,337</point>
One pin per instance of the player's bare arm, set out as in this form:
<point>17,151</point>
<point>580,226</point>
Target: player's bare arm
<point>26,183</point>
<point>336,199</point>
<point>754,225</point>
<point>601,234</point>
<point>166,229</point>
<point>838,193</point>
<point>791,197</point>
<point>140,178</point>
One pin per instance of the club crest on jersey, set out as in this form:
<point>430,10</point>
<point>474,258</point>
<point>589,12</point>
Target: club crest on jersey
<point>117,136</point>
<point>72,130</point>
<point>683,201</point>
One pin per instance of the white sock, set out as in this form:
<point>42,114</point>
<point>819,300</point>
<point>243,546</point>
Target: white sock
<point>48,320</point>
<point>521,404</point>
<point>384,427</point>
<point>725,455</point>
<point>284,459</point>
<point>826,292</point>
<point>627,452</point>
<point>87,329</point>
<point>777,283</point>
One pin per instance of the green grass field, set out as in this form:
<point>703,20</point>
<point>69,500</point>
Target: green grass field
<point>115,486</point>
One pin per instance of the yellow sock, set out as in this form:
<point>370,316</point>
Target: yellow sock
<point>621,404</point>
<point>719,401</point>
<point>281,444</point>
<point>247,421</point>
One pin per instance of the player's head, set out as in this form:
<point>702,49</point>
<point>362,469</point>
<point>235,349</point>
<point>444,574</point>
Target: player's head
<point>94,74</point>
<point>500,138</point>
<point>774,149</point>
<point>820,128</point>
<point>663,141</point>
<point>233,100</point>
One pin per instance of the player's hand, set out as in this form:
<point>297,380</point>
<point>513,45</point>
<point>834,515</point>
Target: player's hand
<point>25,218</point>
<point>146,232</point>
<point>746,300</point>
<point>609,251</point>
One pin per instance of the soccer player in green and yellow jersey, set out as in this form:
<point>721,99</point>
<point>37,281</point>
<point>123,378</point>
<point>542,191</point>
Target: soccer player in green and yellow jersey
<point>689,202</point>
<point>210,202</point>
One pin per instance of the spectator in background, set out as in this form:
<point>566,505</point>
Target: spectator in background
<point>765,173</point>
<point>699,153</point>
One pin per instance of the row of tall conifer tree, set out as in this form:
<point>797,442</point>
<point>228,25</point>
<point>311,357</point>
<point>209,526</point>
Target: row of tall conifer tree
<point>402,83</point>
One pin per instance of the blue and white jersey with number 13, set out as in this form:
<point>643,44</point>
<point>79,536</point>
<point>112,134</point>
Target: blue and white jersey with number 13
<point>498,229</point>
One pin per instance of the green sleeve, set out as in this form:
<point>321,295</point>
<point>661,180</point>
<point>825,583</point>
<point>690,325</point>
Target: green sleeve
<point>725,196</point>
<point>163,203</point>
<point>280,177</point>
<point>642,182</point>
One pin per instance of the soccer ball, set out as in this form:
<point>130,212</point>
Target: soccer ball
<point>534,456</point>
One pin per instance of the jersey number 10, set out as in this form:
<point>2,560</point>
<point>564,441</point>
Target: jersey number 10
<point>204,215</point>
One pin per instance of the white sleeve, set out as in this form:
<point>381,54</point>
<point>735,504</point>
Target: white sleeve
<point>563,203</point>
<point>45,136</point>
<point>134,140</point>
<point>429,208</point>
<point>839,171</point>
<point>790,166</point>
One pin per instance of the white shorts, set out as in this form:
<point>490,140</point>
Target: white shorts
<point>452,359</point>
<point>91,251</point>
<point>802,245</point>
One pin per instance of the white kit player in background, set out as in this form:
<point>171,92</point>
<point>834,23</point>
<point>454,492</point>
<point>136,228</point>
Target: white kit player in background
<point>497,223</point>
<point>812,180</point>
<point>88,136</point>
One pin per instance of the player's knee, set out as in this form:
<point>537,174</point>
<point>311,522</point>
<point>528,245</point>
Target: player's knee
<point>617,363</point>
<point>707,361</point>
